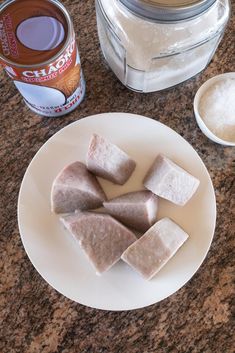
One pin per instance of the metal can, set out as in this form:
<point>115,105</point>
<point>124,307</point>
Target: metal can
<point>38,51</point>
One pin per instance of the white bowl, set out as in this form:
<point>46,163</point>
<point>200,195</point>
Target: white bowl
<point>196,102</point>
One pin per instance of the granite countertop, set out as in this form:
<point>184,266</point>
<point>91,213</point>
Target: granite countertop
<point>33,316</point>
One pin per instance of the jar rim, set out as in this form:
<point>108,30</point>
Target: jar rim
<point>167,10</point>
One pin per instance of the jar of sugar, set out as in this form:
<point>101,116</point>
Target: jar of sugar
<point>152,45</point>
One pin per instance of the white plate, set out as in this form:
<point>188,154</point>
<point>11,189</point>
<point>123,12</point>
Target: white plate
<point>62,263</point>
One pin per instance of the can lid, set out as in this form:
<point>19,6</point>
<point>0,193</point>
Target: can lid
<point>167,10</point>
<point>33,33</point>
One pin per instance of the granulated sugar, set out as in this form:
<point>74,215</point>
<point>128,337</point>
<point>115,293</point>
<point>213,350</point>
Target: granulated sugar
<point>217,109</point>
<point>142,56</point>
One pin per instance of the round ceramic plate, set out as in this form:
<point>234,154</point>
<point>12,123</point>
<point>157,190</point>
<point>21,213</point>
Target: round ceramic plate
<point>56,256</point>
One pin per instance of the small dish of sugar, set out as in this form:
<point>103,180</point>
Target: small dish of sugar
<point>214,108</point>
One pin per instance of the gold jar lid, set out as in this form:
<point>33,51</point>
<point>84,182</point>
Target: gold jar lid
<point>167,10</point>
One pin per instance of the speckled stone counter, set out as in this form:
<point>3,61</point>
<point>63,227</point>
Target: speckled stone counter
<point>34,317</point>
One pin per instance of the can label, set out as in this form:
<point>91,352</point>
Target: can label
<point>27,38</point>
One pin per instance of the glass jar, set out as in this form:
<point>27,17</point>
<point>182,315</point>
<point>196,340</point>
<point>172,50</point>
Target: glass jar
<point>152,45</point>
